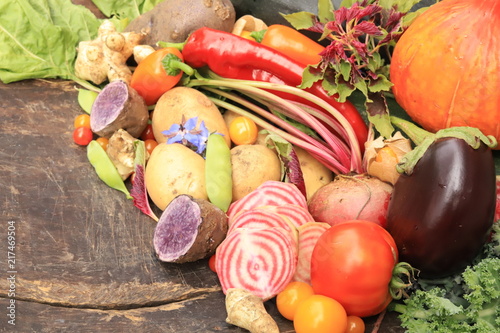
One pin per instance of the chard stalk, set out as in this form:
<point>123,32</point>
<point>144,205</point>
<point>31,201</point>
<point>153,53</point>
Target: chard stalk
<point>259,89</point>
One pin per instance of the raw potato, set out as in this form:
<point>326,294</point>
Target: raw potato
<point>315,174</point>
<point>190,103</point>
<point>174,169</point>
<point>174,20</point>
<point>252,166</point>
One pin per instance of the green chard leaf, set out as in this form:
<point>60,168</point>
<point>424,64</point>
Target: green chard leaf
<point>39,38</point>
<point>325,11</point>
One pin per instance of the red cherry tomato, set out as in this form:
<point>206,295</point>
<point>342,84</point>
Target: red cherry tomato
<point>355,325</point>
<point>148,134</point>
<point>82,136</point>
<point>352,263</point>
<point>151,78</point>
<point>211,263</point>
<point>82,120</point>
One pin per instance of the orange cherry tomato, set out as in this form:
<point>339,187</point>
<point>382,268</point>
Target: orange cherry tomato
<point>150,145</point>
<point>289,299</point>
<point>355,324</point>
<point>243,131</point>
<point>103,142</point>
<point>320,314</point>
<point>82,120</point>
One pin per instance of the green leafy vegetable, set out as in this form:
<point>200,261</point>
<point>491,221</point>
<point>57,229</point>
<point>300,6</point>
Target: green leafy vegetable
<point>125,8</point>
<point>468,302</point>
<point>39,38</point>
<point>362,35</point>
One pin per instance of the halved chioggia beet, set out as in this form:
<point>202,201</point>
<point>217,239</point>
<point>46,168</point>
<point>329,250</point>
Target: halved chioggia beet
<point>260,218</point>
<point>298,215</point>
<point>262,261</point>
<point>189,229</point>
<point>118,106</point>
<point>308,236</point>
<point>269,193</point>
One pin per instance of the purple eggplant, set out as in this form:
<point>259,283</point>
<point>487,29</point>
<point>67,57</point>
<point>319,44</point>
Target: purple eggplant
<point>443,204</point>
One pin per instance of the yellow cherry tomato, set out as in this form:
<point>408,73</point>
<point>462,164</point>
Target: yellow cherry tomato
<point>103,142</point>
<point>289,299</point>
<point>355,325</point>
<point>320,314</point>
<point>243,131</point>
<point>82,120</point>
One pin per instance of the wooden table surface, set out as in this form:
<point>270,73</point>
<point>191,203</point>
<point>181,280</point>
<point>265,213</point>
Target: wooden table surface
<point>83,253</point>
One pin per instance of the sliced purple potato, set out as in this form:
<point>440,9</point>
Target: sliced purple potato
<point>118,106</point>
<point>189,229</point>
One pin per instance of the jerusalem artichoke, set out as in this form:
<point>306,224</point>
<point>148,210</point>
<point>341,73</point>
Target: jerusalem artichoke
<point>247,311</point>
<point>105,57</point>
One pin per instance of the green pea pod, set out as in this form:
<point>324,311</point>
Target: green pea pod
<point>86,99</point>
<point>104,168</point>
<point>218,172</point>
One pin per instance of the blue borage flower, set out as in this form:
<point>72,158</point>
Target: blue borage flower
<point>187,134</point>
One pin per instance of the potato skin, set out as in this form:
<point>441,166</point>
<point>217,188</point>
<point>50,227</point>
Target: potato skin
<point>315,174</point>
<point>174,169</point>
<point>174,20</point>
<point>252,166</point>
<point>187,102</point>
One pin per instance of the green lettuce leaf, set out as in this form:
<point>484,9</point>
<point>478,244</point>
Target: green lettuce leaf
<point>125,8</point>
<point>39,38</point>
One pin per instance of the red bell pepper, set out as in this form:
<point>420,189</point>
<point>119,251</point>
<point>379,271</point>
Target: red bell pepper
<point>235,57</point>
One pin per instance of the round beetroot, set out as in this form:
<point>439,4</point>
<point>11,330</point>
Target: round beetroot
<point>351,198</point>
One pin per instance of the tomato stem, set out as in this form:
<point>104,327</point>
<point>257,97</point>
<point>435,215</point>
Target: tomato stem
<point>397,285</point>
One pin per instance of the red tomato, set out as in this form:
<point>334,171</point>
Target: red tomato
<point>352,263</point>
<point>150,79</point>
<point>320,314</point>
<point>82,136</point>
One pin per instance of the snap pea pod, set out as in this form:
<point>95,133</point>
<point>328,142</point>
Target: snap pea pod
<point>104,168</point>
<point>218,172</point>
<point>86,98</point>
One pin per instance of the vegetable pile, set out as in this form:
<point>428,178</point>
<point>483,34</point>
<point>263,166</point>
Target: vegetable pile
<point>242,141</point>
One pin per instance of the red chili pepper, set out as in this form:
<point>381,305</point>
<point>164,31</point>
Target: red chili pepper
<point>290,42</point>
<point>235,57</point>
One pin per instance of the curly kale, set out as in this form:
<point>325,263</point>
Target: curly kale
<point>468,302</point>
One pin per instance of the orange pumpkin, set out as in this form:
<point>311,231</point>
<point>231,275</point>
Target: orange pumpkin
<point>446,66</point>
